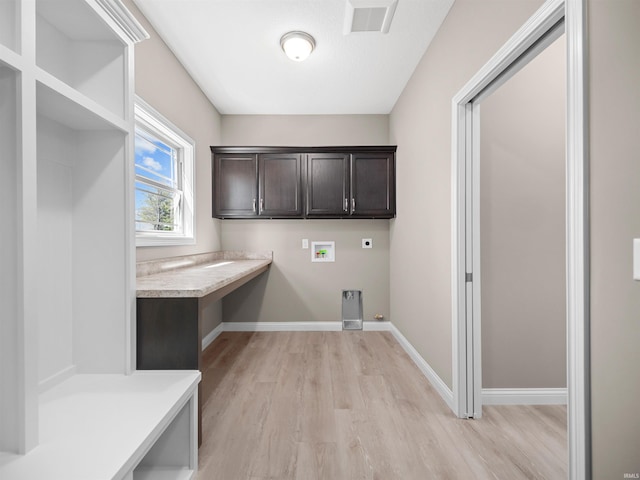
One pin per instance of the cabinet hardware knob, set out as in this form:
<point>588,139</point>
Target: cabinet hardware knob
<point>353,205</point>
<point>254,205</point>
<point>261,205</point>
<point>346,204</point>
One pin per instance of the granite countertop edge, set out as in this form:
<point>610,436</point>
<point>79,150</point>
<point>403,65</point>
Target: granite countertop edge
<point>152,267</point>
<point>166,283</point>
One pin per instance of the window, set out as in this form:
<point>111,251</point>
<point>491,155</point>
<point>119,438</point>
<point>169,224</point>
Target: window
<point>164,189</point>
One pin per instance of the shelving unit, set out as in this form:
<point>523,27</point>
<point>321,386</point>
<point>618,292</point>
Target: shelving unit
<point>142,429</point>
<point>77,47</point>
<point>68,276</point>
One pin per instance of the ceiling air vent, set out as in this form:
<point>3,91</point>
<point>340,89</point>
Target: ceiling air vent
<point>369,15</point>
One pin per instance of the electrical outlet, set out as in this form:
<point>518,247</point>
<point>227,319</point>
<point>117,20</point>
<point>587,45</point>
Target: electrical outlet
<point>305,243</point>
<point>367,243</point>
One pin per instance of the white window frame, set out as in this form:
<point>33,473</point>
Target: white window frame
<point>155,123</point>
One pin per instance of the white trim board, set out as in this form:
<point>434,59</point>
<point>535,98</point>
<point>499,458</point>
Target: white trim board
<point>211,336</point>
<point>282,326</point>
<point>443,390</point>
<point>524,396</point>
<point>273,327</point>
<point>56,378</point>
<point>440,386</point>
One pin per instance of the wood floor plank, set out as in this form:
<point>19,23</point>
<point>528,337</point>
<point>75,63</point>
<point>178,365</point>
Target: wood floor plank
<point>353,406</point>
<point>239,445</point>
<point>318,419</point>
<point>352,459</point>
<point>344,379</point>
<point>276,455</point>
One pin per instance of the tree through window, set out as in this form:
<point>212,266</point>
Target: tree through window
<point>158,189</point>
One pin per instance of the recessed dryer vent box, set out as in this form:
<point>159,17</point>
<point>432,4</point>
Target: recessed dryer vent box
<point>323,251</point>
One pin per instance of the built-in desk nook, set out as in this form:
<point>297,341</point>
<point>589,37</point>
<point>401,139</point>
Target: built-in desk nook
<point>172,294</point>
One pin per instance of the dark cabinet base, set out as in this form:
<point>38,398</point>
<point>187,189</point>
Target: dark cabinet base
<point>168,334</point>
<point>169,338</point>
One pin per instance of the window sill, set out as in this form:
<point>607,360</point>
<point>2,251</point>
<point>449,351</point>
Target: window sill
<point>157,241</point>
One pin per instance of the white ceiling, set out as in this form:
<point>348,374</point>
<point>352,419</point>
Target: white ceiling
<point>232,50</point>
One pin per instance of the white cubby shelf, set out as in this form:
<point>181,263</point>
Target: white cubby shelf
<point>114,427</point>
<point>73,406</point>
<point>75,45</point>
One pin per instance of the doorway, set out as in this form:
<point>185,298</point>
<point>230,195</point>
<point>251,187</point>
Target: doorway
<point>522,234</point>
<point>546,25</point>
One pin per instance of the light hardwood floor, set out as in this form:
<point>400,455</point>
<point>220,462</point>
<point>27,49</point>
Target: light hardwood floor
<point>352,405</point>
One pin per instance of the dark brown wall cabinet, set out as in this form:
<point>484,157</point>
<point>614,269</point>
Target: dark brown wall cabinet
<point>335,182</point>
<point>257,185</point>
<point>350,185</point>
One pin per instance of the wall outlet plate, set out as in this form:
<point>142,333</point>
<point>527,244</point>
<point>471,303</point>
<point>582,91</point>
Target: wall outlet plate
<point>367,243</point>
<point>305,243</point>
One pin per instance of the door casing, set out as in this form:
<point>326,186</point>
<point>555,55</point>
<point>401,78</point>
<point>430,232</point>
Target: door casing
<point>533,36</point>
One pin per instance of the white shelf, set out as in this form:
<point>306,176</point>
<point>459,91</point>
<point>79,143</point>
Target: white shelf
<point>62,103</point>
<point>10,58</point>
<point>76,46</point>
<point>102,426</point>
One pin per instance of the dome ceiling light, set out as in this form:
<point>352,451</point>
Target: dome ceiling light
<point>297,45</point>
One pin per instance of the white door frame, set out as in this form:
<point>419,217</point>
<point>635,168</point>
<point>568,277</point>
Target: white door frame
<point>465,237</point>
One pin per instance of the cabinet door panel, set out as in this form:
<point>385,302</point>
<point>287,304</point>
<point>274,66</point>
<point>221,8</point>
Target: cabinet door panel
<point>279,179</point>
<point>327,185</point>
<point>235,185</point>
<point>373,185</point>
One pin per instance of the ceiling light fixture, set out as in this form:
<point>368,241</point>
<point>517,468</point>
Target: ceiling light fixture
<point>297,45</point>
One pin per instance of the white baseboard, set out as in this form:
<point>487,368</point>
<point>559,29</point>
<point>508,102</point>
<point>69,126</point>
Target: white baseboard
<point>56,378</point>
<point>524,396</point>
<point>443,390</point>
<point>372,326</point>
<point>376,326</point>
<point>270,327</point>
<point>282,326</point>
<point>212,335</point>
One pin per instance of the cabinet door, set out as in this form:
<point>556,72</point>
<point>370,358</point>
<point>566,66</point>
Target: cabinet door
<point>327,185</point>
<point>280,185</point>
<point>373,185</point>
<point>235,185</point>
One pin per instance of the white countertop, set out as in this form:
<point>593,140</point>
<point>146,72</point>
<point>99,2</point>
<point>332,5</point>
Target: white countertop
<point>202,276</point>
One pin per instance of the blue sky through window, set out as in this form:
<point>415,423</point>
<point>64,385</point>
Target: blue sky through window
<point>156,162</point>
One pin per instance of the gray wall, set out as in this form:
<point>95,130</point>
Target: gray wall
<point>522,231</point>
<point>614,95</point>
<point>163,83</point>
<point>305,130</point>
<point>295,289</point>
<point>421,127</point>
